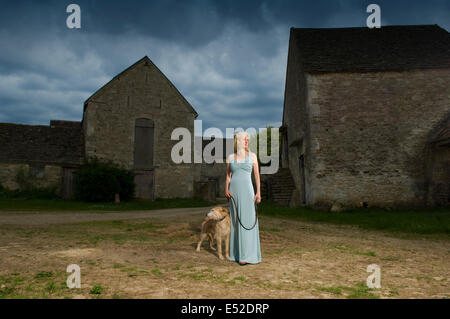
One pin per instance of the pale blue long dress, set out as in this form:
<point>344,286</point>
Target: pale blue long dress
<point>244,244</point>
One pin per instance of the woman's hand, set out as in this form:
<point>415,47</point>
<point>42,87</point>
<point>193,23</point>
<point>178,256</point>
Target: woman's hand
<point>258,198</point>
<point>227,194</point>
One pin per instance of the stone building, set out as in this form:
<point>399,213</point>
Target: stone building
<point>44,152</point>
<point>366,116</point>
<point>128,121</point>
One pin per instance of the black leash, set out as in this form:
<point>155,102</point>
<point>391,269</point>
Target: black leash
<point>239,219</point>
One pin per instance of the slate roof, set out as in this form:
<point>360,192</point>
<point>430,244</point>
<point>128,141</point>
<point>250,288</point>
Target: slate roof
<point>360,49</point>
<point>61,142</point>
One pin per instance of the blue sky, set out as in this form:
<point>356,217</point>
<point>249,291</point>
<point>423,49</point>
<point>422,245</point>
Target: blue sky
<point>228,58</point>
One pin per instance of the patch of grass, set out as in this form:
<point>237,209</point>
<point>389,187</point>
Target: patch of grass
<point>43,284</point>
<point>333,290</point>
<point>14,279</point>
<point>393,292</point>
<point>177,267</point>
<point>428,279</point>
<point>346,248</point>
<point>127,225</point>
<point>341,247</point>
<point>156,271</point>
<point>50,287</point>
<point>128,269</point>
<point>360,291</point>
<point>44,274</point>
<point>6,291</point>
<point>91,262</point>
<point>96,231</point>
<point>21,204</point>
<point>241,278</point>
<point>206,275</point>
<point>274,251</point>
<point>413,221</point>
<point>197,276</point>
<point>390,259</point>
<point>96,290</point>
<point>270,229</point>
<point>269,285</point>
<point>366,253</point>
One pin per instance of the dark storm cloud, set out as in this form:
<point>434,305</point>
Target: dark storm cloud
<point>228,58</point>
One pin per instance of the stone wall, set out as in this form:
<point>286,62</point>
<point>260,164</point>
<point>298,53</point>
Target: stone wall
<point>438,173</point>
<point>141,91</point>
<point>295,118</point>
<point>217,172</point>
<point>40,175</point>
<point>369,135</point>
<point>59,143</point>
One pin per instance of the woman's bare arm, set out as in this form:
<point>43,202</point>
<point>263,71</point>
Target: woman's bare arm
<point>257,177</point>
<point>228,178</point>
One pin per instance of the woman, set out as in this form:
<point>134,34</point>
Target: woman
<point>244,244</point>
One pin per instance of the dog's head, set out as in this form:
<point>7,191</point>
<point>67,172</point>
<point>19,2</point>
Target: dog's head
<point>218,213</point>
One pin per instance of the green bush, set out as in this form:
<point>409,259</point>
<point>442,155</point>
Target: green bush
<point>99,181</point>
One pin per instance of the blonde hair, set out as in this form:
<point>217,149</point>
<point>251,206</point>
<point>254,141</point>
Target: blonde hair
<point>239,134</point>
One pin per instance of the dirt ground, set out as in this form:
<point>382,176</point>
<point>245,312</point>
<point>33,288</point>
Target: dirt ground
<point>152,255</point>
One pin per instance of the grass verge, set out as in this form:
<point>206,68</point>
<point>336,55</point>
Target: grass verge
<point>15,204</point>
<point>432,221</point>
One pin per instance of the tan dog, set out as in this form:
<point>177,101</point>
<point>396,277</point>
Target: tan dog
<point>217,224</point>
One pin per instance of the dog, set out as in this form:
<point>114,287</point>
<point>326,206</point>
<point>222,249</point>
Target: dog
<point>217,225</point>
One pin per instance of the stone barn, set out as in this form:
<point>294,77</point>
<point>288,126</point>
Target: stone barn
<point>128,121</point>
<point>366,116</point>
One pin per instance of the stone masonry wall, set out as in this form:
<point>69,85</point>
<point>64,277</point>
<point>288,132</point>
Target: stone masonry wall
<point>369,134</point>
<point>438,173</point>
<point>295,117</point>
<point>39,175</point>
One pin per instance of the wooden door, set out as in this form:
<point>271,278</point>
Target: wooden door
<point>67,191</point>
<point>144,184</point>
<point>143,143</point>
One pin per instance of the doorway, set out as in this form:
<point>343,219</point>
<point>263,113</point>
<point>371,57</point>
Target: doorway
<point>67,179</point>
<point>143,180</point>
<point>144,132</point>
